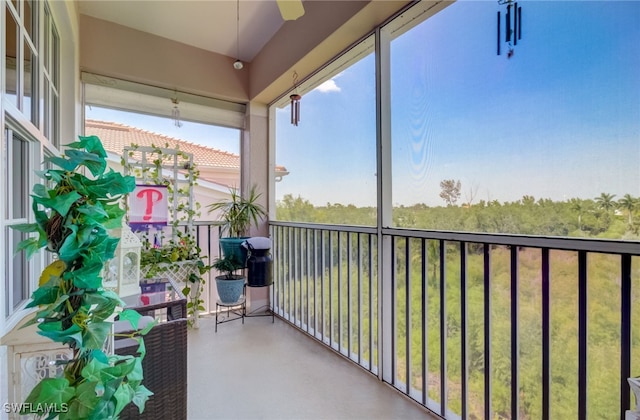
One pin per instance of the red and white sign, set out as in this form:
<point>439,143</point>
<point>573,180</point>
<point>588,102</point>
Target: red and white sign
<point>148,205</point>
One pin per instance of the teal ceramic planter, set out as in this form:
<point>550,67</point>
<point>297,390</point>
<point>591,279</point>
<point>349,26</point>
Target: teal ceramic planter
<point>230,290</point>
<point>233,246</point>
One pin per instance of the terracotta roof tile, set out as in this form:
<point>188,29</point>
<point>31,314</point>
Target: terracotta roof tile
<point>115,137</point>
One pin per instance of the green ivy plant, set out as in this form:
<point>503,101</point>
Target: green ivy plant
<point>182,244</point>
<point>73,214</point>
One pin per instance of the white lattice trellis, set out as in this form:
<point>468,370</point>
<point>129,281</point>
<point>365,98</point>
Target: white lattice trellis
<point>179,272</point>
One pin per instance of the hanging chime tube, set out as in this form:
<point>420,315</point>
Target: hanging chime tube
<point>295,108</point>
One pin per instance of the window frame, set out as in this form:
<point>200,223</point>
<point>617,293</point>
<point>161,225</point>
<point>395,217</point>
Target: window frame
<point>39,32</point>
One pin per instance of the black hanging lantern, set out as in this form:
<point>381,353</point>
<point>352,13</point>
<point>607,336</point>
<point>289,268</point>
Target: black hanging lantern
<point>295,108</point>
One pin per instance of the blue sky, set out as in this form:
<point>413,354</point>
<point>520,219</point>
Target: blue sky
<point>560,119</point>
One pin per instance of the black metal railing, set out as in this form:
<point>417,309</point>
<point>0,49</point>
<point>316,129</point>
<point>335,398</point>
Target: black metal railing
<point>470,325</point>
<point>207,235</point>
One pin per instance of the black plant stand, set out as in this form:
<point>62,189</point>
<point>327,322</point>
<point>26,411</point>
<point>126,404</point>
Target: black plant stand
<point>236,310</point>
<point>269,311</point>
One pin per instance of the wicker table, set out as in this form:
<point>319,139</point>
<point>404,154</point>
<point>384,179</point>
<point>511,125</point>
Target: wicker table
<point>165,364</point>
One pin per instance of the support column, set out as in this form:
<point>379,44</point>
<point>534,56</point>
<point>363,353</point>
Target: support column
<point>256,169</point>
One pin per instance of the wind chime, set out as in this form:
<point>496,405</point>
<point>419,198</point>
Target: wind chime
<point>513,25</point>
<point>175,112</point>
<point>295,102</point>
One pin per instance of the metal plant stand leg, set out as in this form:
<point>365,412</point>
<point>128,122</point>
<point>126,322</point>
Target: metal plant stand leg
<point>269,311</point>
<point>236,310</point>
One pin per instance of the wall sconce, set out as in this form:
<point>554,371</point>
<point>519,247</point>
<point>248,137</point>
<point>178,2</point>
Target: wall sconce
<point>122,272</point>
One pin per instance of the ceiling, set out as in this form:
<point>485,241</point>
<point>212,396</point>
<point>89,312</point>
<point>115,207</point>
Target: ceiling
<point>207,24</point>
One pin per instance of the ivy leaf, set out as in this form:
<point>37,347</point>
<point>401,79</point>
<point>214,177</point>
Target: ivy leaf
<point>71,334</point>
<point>41,218</point>
<point>100,356</point>
<point>132,316</point>
<point>25,227</point>
<point>61,203</point>
<point>142,351</point>
<point>141,396</point>
<point>113,210</point>
<point>110,294</point>
<point>55,391</point>
<point>93,370</point>
<point>87,276</point>
<point>40,190</point>
<point>30,246</point>
<point>68,250</point>
<point>61,162</point>
<point>103,306</point>
<point>85,401</point>
<point>95,334</point>
<point>111,184</point>
<point>96,164</point>
<point>123,395</point>
<point>91,144</point>
<point>96,211</point>
<point>118,371</point>
<point>106,406</point>
<point>136,374</point>
<point>44,295</point>
<point>114,222</point>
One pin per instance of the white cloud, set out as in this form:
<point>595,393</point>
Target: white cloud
<point>329,86</point>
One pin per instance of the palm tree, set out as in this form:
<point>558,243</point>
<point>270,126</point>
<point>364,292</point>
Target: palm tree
<point>605,202</point>
<point>630,204</point>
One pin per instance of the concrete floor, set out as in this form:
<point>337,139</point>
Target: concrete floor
<point>261,370</point>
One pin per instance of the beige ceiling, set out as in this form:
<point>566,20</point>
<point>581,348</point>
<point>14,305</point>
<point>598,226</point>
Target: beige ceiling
<point>206,24</point>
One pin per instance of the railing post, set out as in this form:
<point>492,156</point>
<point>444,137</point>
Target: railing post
<point>515,350</point>
<point>625,333</point>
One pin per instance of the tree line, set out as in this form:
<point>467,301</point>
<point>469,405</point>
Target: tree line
<point>603,216</point>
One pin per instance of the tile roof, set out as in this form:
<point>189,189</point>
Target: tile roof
<point>115,137</point>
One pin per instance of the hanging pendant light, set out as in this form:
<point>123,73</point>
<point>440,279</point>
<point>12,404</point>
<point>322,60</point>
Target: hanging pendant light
<point>238,65</point>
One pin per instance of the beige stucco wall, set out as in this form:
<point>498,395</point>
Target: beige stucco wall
<point>117,51</point>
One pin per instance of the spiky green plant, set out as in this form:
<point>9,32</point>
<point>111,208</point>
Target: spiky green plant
<point>73,213</point>
<point>239,213</point>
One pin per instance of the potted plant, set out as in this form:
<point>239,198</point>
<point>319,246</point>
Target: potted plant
<point>181,260</point>
<point>237,214</point>
<point>229,284</point>
<point>73,214</point>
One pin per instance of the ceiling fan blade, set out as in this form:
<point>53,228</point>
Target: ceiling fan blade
<point>290,9</point>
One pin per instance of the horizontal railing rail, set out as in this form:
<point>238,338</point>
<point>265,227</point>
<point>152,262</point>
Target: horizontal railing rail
<point>470,325</point>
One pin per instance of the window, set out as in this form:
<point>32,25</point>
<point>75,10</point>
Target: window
<point>331,153</point>
<point>17,172</point>
<point>51,72</point>
<point>543,142</point>
<point>21,54</point>
<point>30,120</point>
